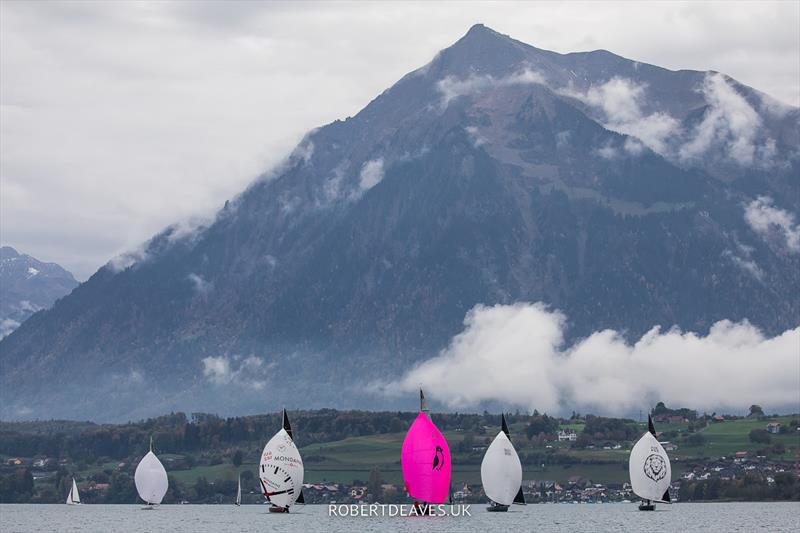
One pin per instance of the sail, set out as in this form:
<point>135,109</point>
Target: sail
<point>74,496</point>
<point>286,425</point>
<point>501,471</point>
<point>281,470</point>
<point>151,479</point>
<point>649,469</point>
<point>426,462</point>
<point>239,492</point>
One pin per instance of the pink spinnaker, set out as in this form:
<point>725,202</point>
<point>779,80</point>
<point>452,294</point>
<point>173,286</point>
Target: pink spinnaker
<point>426,462</point>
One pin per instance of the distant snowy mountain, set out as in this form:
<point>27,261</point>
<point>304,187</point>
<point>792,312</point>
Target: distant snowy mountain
<point>623,194</point>
<point>28,285</point>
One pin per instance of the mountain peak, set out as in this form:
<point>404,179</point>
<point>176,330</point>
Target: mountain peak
<point>481,49</point>
<point>481,32</point>
<point>8,252</point>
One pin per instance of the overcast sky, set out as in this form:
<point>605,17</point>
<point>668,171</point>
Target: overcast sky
<point>117,119</point>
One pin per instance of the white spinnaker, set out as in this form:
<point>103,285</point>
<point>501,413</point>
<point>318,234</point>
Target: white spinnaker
<point>501,471</point>
<point>282,455</point>
<point>649,469</point>
<point>151,479</point>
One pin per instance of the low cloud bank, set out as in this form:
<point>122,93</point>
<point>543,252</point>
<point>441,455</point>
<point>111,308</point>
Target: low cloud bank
<point>514,354</point>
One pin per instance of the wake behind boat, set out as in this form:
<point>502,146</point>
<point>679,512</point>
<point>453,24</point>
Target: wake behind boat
<point>425,459</point>
<point>501,472</point>
<point>281,470</point>
<point>650,470</point>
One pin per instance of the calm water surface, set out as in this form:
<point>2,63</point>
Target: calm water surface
<point>682,517</point>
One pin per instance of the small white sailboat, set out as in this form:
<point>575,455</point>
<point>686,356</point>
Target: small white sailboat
<point>74,497</point>
<point>151,479</point>
<point>650,470</point>
<point>501,472</point>
<point>238,501</point>
<point>281,470</point>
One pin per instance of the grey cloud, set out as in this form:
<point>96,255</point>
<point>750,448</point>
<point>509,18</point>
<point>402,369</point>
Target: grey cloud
<point>621,102</point>
<point>766,219</point>
<point>186,102</point>
<point>731,122</point>
<point>451,88</point>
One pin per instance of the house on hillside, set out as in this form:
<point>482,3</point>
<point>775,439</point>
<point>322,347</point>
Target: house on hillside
<point>567,435</point>
<point>462,493</point>
<point>668,419</point>
<point>774,427</point>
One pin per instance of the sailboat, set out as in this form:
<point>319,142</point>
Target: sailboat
<point>501,472</point>
<point>151,479</point>
<point>74,497</point>
<point>425,461</point>
<point>238,501</point>
<point>650,470</point>
<point>281,470</point>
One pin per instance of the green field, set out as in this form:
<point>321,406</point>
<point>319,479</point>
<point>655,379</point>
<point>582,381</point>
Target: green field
<point>354,458</point>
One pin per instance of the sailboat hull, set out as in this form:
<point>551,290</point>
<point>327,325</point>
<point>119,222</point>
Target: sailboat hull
<point>497,508</point>
<point>647,506</point>
<point>278,509</point>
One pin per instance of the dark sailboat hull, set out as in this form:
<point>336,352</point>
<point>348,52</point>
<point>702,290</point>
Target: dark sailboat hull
<point>647,506</point>
<point>497,508</point>
<point>278,509</point>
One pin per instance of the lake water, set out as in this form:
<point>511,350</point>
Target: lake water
<point>681,517</point>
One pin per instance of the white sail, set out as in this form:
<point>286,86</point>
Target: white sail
<point>650,470</point>
<point>74,497</point>
<point>501,471</point>
<point>239,492</point>
<point>151,479</point>
<point>281,470</point>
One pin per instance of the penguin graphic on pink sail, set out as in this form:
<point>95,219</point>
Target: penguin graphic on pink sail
<point>426,460</point>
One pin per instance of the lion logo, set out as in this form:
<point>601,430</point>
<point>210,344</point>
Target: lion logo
<point>655,467</point>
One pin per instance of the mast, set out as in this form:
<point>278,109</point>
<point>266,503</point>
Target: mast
<point>286,425</point>
<point>650,427</point>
